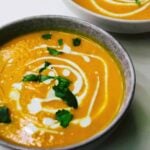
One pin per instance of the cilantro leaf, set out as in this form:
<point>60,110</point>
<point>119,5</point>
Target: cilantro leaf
<point>30,77</point>
<point>4,115</point>
<point>70,99</point>
<point>45,66</point>
<point>46,36</point>
<point>53,51</point>
<point>67,96</point>
<point>76,41</point>
<point>61,90</point>
<point>36,78</point>
<point>60,42</point>
<point>63,82</point>
<point>64,117</point>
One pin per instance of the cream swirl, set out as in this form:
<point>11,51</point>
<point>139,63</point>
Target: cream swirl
<point>143,6</point>
<point>81,88</point>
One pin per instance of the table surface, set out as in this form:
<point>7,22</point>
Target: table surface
<point>134,131</point>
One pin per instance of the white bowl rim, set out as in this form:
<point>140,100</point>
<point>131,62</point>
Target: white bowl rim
<point>71,2</point>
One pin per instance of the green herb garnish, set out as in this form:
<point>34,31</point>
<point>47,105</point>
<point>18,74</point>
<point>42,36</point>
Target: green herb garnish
<point>46,64</point>
<point>63,82</point>
<point>67,96</point>
<point>76,41</point>
<point>53,51</point>
<point>31,77</point>
<point>60,42</point>
<point>36,78</point>
<point>46,36</point>
<point>4,115</point>
<point>62,91</point>
<point>138,2</point>
<point>64,117</point>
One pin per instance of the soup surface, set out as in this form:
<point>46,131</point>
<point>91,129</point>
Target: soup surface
<point>56,89</point>
<point>122,9</point>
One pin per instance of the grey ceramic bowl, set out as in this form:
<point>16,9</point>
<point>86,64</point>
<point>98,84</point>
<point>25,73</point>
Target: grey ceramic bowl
<point>77,26</point>
<point>108,23</point>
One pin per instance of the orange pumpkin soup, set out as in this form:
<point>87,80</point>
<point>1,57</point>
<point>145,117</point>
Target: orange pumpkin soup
<point>122,9</point>
<point>56,89</point>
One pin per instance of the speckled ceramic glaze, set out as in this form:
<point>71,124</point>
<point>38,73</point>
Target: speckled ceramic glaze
<point>107,23</point>
<point>77,26</point>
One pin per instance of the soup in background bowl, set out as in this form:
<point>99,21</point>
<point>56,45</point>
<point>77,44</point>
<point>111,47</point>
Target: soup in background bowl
<point>60,86</point>
<point>120,16</point>
<point>122,9</point>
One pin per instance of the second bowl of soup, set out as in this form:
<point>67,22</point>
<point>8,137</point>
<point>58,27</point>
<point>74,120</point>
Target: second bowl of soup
<point>120,16</point>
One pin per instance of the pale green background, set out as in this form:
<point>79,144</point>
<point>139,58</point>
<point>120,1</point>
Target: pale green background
<point>134,131</point>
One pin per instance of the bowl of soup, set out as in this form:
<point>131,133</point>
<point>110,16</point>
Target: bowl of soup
<point>63,83</point>
<point>120,16</point>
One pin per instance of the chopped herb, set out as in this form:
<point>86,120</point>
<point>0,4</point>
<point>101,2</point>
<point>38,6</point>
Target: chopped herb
<point>45,66</point>
<point>66,96</point>
<point>53,51</point>
<point>138,2</point>
<point>4,115</point>
<point>62,91</point>
<point>46,36</point>
<point>64,117</point>
<point>59,92</point>
<point>30,77</point>
<point>76,41</point>
<point>60,42</point>
<point>36,78</point>
<point>63,82</point>
<point>71,99</point>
